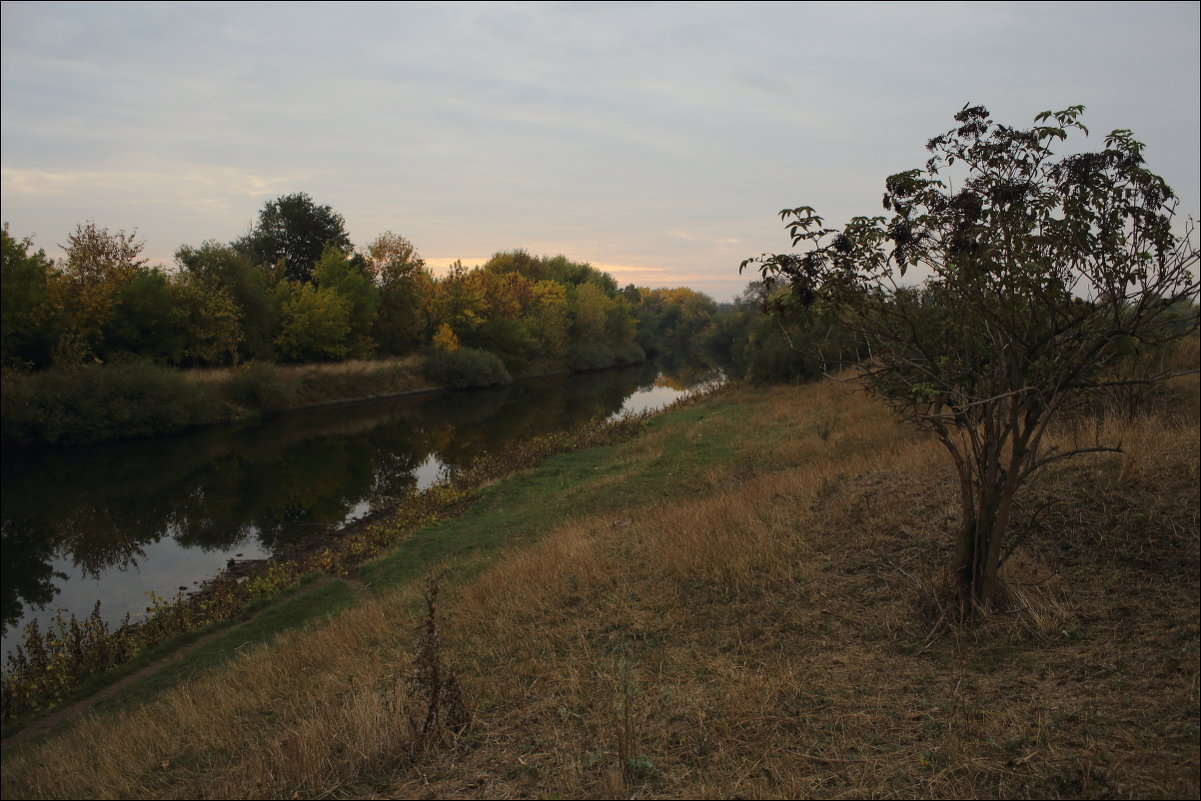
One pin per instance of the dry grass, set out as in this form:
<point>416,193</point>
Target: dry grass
<point>308,715</point>
<point>763,636</point>
<point>349,367</point>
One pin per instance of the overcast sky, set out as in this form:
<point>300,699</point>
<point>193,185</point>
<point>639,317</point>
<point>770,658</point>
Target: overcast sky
<point>656,141</point>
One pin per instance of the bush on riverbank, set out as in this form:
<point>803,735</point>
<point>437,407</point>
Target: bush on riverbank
<point>98,403</point>
<point>262,386</point>
<point>465,368</point>
<point>601,356</point>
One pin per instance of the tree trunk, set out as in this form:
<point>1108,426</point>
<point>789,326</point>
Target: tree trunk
<point>978,555</point>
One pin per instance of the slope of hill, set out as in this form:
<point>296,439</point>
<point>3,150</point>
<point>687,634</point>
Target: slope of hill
<point>737,603</point>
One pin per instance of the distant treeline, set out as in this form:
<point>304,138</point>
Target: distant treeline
<point>293,290</point>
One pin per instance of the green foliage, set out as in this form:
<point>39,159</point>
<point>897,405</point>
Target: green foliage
<point>145,321</point>
<point>26,332</point>
<point>772,359</point>
<point>509,339</point>
<point>211,324</point>
<point>215,268</point>
<point>184,320</point>
<point>97,265</point>
<point>294,230</point>
<point>98,403</point>
<point>589,310</point>
<point>672,319</point>
<point>337,272</point>
<point>465,367</point>
<point>292,290</point>
<point>548,318</point>
<point>586,355</point>
<point>314,323</point>
<point>628,353</point>
<point>1037,269</point>
<point>794,343</point>
<point>261,386</point>
<point>559,269</point>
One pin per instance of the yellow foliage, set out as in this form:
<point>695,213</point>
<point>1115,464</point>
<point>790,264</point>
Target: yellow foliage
<point>445,339</point>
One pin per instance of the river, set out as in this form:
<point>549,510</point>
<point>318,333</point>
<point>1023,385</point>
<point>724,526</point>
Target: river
<point>117,522</point>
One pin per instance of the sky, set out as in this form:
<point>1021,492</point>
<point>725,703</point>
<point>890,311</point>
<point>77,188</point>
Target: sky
<point>656,141</point>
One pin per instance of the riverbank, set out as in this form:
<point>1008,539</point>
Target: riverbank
<point>105,403</point>
<point>54,659</point>
<point>734,603</point>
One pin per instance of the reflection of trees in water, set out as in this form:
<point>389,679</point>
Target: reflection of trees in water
<point>681,372</point>
<point>275,481</point>
<point>26,576</point>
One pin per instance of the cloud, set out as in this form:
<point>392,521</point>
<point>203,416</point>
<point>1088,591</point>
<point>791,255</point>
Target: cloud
<point>656,135</point>
<point>200,183</point>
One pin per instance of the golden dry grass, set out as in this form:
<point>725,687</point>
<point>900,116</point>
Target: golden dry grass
<point>349,367</point>
<point>762,636</point>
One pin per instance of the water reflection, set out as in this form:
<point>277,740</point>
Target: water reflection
<point>116,521</point>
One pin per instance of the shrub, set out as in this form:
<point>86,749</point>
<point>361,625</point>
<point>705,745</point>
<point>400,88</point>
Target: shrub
<point>628,353</point>
<point>465,367</point>
<point>261,386</point>
<point>591,356</point>
<point>99,403</point>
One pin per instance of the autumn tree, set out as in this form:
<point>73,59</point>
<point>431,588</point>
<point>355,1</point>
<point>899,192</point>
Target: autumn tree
<point>461,301</point>
<point>548,318</point>
<point>1036,271</point>
<point>406,290</point>
<point>86,284</point>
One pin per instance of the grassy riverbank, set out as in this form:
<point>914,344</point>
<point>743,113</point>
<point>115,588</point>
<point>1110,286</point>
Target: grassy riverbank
<point>735,603</point>
<point>101,403</point>
<point>106,402</point>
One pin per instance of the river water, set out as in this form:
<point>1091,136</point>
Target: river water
<point>115,523</point>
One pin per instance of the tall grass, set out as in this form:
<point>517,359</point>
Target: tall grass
<point>121,401</point>
<point>98,403</point>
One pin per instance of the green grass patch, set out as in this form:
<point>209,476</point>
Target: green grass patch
<point>304,608</point>
<point>667,462</point>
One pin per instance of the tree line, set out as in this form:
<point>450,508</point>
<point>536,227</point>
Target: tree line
<point>294,290</point>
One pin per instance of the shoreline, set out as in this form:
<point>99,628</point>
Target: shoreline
<point>32,423</point>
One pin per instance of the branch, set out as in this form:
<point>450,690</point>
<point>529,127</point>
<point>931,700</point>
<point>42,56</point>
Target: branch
<point>1154,379</point>
<point>1022,535</point>
<point>1043,462</point>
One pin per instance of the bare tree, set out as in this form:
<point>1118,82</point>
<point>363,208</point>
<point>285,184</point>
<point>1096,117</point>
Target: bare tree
<point>1038,273</point>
